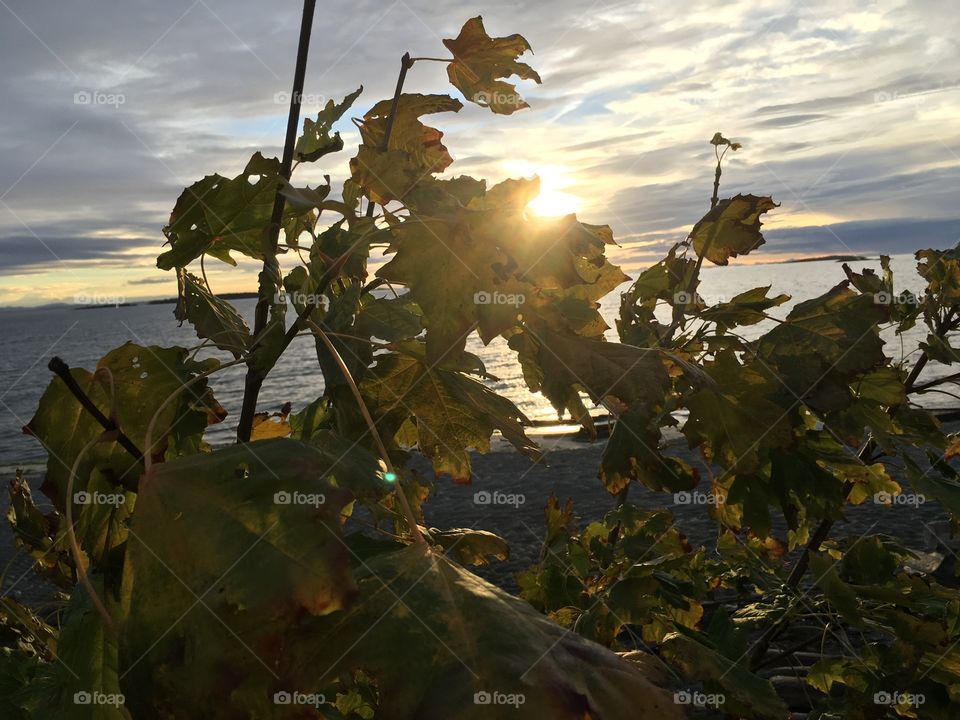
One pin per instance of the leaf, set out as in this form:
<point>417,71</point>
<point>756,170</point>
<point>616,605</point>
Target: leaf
<point>478,63</point>
<point>414,152</point>
<point>316,141</point>
<point>266,427</point>
<point>470,547</point>
<point>452,412</point>
<point>84,683</point>
<point>735,416</point>
<point>212,317</point>
<point>218,215</point>
<point>746,694</point>
<point>602,369</point>
<point>39,534</point>
<point>486,264</point>
<point>249,534</point>
<point>731,228</point>
<point>633,453</point>
<point>422,143</point>
<point>455,636</point>
<point>143,379</point>
<point>824,344</point>
<point>746,308</point>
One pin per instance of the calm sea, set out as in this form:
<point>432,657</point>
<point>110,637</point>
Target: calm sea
<point>81,337</point>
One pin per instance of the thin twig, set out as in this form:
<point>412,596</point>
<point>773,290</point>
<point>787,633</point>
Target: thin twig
<point>62,370</point>
<point>75,546</point>
<point>404,503</point>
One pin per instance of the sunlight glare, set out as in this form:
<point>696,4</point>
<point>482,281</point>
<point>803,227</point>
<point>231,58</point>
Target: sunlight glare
<point>552,201</point>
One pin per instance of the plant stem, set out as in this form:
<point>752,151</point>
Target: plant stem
<point>270,277</point>
<point>372,426</point>
<point>62,370</point>
<point>405,64</point>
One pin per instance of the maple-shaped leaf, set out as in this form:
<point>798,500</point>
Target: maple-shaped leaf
<point>452,412</point>
<point>633,454</point>
<point>143,379</point>
<point>732,228</point>
<point>825,343</point>
<point>212,317</point>
<point>415,151</point>
<point>218,215</point>
<point>746,308</point>
<point>479,61</point>
<point>316,140</point>
<point>735,415</point>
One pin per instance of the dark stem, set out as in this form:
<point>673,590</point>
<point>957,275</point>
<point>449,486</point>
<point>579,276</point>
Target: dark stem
<point>254,380</point>
<point>715,198</point>
<point>270,277</point>
<point>405,64</point>
<point>59,368</point>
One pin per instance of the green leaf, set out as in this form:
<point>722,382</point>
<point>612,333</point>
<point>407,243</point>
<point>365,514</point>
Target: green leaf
<point>316,141</point>
<point>746,308</point>
<point>478,63</point>
<point>218,215</point>
<point>455,636</point>
<point>731,228</point>
<point>212,317</point>
<point>470,547</point>
<point>746,694</point>
<point>452,412</point>
<point>143,378</point>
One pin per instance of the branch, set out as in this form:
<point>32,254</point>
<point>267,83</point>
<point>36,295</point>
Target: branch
<point>269,277</point>
<point>62,371</point>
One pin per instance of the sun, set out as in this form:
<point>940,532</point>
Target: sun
<point>553,200</point>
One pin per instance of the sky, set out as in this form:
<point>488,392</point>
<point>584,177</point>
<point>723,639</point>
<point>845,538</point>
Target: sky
<point>848,112</point>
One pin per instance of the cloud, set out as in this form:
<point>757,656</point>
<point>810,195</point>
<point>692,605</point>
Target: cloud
<point>847,111</point>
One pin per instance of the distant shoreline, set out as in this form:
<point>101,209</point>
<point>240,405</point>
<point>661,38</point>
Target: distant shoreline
<point>818,258</point>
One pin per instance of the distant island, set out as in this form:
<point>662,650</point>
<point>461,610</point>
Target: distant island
<point>818,258</point>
